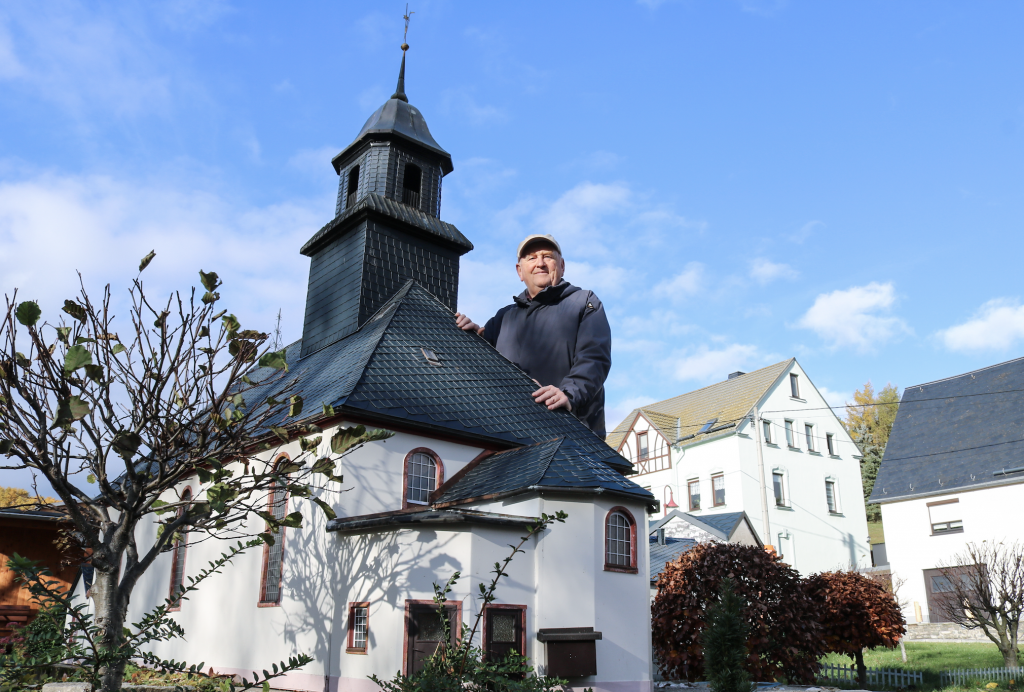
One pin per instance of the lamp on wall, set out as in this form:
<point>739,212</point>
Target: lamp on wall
<point>670,503</point>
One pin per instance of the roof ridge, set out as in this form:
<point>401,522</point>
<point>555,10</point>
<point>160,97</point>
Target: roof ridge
<point>965,374</point>
<point>716,384</point>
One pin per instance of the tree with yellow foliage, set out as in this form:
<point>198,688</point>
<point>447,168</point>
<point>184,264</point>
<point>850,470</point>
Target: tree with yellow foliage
<point>869,421</point>
<point>20,498</point>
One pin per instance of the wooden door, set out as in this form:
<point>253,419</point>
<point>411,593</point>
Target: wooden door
<point>938,589</point>
<point>504,633</point>
<point>425,633</point>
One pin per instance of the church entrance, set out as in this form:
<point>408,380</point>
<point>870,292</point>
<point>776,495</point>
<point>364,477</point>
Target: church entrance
<point>424,632</point>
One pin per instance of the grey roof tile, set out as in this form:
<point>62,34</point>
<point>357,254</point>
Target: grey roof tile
<point>660,554</point>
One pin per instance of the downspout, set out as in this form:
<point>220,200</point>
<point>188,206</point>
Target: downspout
<point>756,418</point>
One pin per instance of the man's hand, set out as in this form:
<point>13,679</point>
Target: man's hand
<point>552,397</point>
<point>463,322</point>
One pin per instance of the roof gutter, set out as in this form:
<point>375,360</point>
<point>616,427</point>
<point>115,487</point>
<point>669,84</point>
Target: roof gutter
<point>434,517</point>
<point>654,504</point>
<point>947,491</point>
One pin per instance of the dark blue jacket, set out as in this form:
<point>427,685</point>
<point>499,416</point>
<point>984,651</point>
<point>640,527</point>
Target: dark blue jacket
<point>560,337</point>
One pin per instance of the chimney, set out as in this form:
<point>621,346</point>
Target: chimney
<point>734,375</point>
<point>661,536</point>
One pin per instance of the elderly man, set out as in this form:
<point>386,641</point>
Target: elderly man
<point>556,332</point>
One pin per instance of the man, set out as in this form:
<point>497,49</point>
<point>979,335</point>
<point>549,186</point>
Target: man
<point>556,332</point>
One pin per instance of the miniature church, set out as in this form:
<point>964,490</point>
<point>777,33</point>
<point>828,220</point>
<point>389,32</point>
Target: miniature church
<point>473,461</point>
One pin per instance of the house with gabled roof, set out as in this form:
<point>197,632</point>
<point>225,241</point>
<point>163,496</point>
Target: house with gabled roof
<point>952,474</point>
<point>676,532</point>
<point>473,462</point>
<point>763,443</point>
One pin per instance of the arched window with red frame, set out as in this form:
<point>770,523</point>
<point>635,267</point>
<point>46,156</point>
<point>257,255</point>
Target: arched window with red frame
<point>423,474</point>
<point>620,541</point>
<point>178,554</point>
<point>273,555</point>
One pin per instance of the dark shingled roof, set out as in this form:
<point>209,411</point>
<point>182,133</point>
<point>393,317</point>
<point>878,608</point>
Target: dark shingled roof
<point>660,554</point>
<point>725,523</point>
<point>435,228</point>
<point>557,464</point>
<point>397,117</point>
<point>380,372</point>
<point>946,437</point>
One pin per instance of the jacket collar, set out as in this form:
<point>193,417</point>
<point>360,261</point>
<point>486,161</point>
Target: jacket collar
<point>547,296</point>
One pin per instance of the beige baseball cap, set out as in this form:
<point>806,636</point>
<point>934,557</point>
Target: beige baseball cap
<point>535,237</point>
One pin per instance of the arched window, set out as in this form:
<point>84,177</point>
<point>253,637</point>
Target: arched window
<point>423,474</point>
<point>273,555</point>
<point>620,541</point>
<point>353,187</point>
<point>178,555</point>
<point>411,185</point>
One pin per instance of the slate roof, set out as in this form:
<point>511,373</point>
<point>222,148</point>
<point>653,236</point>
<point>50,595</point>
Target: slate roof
<point>727,401</point>
<point>722,526</point>
<point>397,117</point>
<point>558,464</point>
<point>962,432</point>
<point>380,372</point>
<point>660,554</point>
<point>395,211</point>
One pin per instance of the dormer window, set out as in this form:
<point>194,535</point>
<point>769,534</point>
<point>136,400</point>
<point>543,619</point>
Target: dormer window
<point>794,385</point>
<point>411,185</point>
<point>353,187</point>
<point>707,426</point>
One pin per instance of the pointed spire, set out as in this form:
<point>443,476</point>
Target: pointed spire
<point>400,89</point>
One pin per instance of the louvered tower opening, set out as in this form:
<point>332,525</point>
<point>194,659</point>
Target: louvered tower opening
<point>353,187</point>
<point>411,185</point>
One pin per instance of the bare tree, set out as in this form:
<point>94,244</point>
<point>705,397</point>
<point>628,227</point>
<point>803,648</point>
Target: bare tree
<point>984,589</point>
<point>117,414</point>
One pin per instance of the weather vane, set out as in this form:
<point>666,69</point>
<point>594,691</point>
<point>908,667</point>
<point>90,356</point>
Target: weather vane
<point>405,36</point>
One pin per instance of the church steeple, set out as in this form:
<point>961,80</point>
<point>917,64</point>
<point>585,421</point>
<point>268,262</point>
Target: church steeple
<point>386,228</point>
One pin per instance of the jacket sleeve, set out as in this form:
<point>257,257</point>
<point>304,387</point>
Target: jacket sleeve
<point>493,327</point>
<point>593,356</point>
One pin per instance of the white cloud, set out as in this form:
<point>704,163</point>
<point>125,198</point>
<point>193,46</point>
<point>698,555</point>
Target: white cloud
<point>604,280</point>
<point>615,413</point>
<point>314,163</point>
<point>54,225</point>
<point>712,365</point>
<point>855,318</point>
<point>459,102</point>
<point>805,232</point>
<point>997,326</point>
<point>834,398</point>
<point>765,271</point>
<point>372,98</point>
<point>684,284</point>
<point>578,211</point>
<point>10,66</point>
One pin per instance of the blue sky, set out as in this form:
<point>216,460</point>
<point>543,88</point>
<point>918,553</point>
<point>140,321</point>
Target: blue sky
<point>740,181</point>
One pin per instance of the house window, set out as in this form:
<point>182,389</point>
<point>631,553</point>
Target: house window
<point>830,497</point>
<point>718,489</point>
<point>411,185</point>
<point>423,474</point>
<point>504,631</point>
<point>178,556</point>
<point>641,444</point>
<point>767,426</point>
<point>830,440</point>
<point>358,627</point>
<point>778,481</point>
<point>790,435</point>
<point>794,385</point>
<point>809,435</point>
<point>273,555</point>
<point>693,488</point>
<point>353,187</point>
<point>945,517</point>
<point>620,541</point>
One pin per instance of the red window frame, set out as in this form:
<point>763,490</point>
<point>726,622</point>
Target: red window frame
<point>714,495</point>
<point>486,639</point>
<point>350,647</point>
<point>181,545</point>
<point>438,467</point>
<point>608,566</point>
<point>263,602</point>
<point>689,494</point>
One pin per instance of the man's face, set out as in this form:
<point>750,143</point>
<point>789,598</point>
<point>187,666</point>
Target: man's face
<point>539,267</point>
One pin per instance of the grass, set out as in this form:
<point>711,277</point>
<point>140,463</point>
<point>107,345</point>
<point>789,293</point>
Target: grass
<point>930,657</point>
<point>875,532</point>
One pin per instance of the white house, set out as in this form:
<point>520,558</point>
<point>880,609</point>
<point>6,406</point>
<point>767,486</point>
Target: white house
<point>473,461</point>
<point>796,473</point>
<point>953,474</point>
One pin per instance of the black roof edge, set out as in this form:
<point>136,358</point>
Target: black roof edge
<point>34,515</point>
<point>342,222</point>
<point>946,491</point>
<point>370,137</point>
<point>432,517</point>
<point>963,374</point>
<point>655,504</point>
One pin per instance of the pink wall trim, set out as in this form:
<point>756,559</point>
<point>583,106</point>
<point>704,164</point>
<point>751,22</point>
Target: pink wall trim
<point>299,681</point>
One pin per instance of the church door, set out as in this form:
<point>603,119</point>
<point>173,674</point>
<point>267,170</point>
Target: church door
<point>425,633</point>
<point>504,632</point>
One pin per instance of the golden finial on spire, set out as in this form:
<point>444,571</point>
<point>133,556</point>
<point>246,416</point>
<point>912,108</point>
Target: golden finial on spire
<point>405,36</point>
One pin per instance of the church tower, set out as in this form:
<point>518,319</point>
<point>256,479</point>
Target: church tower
<point>386,228</point>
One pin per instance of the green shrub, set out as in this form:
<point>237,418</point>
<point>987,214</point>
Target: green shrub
<point>725,643</point>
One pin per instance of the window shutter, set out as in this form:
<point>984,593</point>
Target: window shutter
<point>948,512</point>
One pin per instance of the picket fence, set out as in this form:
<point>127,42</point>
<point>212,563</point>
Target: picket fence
<point>963,676</point>
<point>877,677</point>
